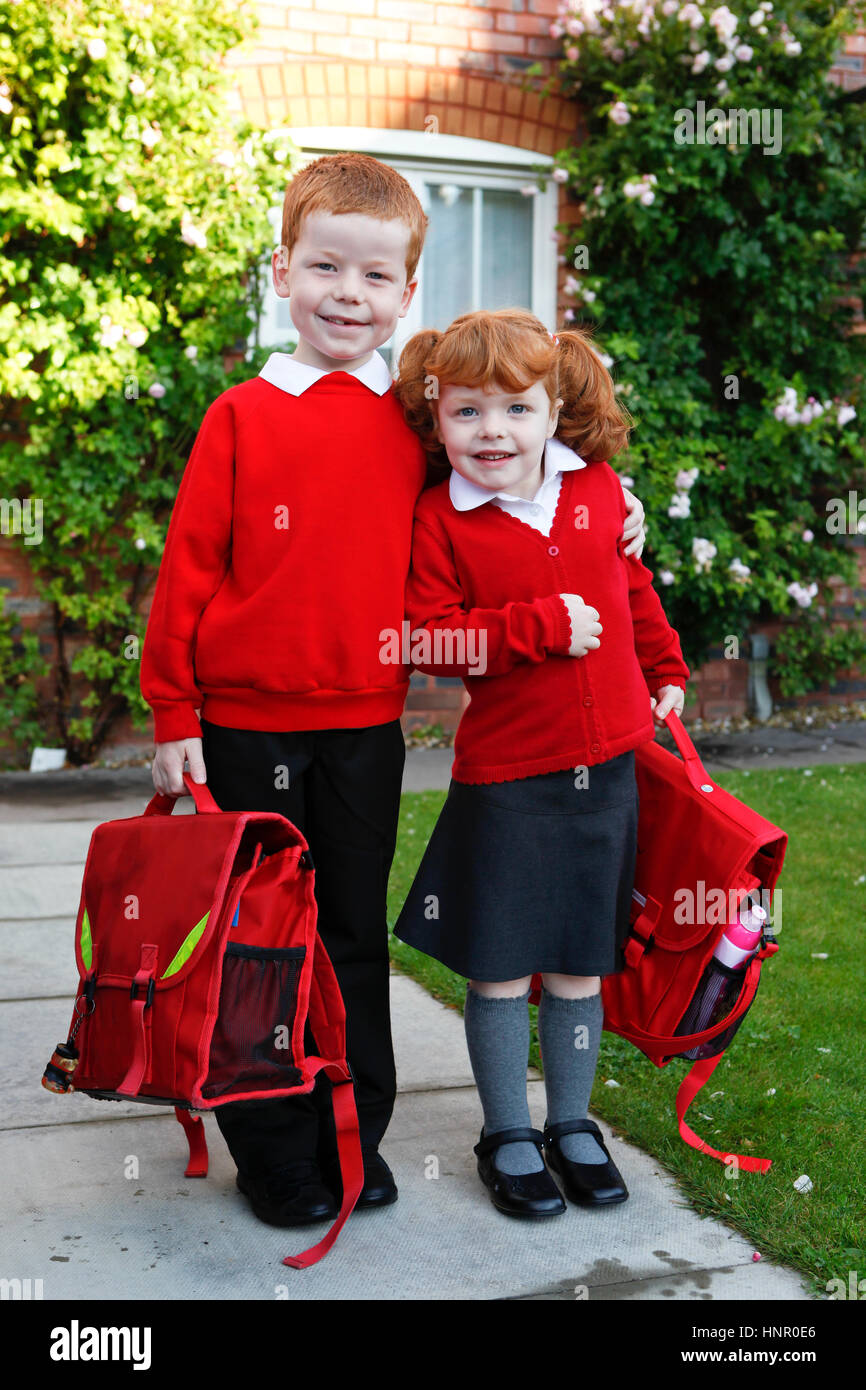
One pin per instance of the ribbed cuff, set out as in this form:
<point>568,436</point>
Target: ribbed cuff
<point>174,720</point>
<point>657,682</point>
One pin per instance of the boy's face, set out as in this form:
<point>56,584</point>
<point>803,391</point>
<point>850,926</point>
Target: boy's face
<point>495,438</point>
<point>346,286</point>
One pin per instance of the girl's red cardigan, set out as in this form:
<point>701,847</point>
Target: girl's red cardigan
<point>483,604</point>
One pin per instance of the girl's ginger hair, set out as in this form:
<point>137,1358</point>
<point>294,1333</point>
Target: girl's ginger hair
<point>512,349</point>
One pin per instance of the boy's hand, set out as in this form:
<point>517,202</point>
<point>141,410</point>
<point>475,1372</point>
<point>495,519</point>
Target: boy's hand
<point>167,766</point>
<point>672,698</point>
<point>633,529</point>
<point>585,627</point>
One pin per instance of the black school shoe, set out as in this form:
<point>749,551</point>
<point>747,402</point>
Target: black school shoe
<point>291,1196</point>
<point>531,1196</point>
<point>587,1184</point>
<point>379,1190</point>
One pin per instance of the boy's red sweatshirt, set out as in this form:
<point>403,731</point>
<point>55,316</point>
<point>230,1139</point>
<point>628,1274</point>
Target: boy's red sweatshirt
<point>286,557</point>
<point>483,603</point>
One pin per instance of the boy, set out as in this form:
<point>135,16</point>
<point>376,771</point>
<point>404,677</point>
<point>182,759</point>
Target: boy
<point>286,557</point>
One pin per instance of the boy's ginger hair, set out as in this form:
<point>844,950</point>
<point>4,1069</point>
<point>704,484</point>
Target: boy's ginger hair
<point>353,182</point>
<point>512,348</point>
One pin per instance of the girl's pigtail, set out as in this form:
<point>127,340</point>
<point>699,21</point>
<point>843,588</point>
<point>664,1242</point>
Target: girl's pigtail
<point>592,421</point>
<point>416,388</point>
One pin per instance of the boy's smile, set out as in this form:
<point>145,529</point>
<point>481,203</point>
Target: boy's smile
<point>346,286</point>
<point>495,438</point>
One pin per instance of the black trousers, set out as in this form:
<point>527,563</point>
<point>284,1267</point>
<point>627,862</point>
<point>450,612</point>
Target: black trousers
<point>343,794</point>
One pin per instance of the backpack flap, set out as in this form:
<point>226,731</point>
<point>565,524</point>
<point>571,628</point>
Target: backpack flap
<point>148,919</point>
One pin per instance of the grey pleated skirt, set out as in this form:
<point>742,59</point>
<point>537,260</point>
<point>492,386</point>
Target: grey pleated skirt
<point>531,875</point>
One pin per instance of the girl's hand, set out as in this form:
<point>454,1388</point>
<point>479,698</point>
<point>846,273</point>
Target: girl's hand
<point>633,530</point>
<point>672,698</point>
<point>585,627</point>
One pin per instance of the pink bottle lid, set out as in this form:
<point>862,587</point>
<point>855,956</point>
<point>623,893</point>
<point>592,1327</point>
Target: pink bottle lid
<point>742,937</point>
<point>746,932</point>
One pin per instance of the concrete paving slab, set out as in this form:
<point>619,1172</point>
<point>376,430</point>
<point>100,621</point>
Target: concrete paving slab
<point>155,1235</point>
<point>427,769</point>
<point>29,892</point>
<point>429,1049</point>
<point>728,1283</point>
<point>37,959</point>
<point>75,807</point>
<point>44,843</point>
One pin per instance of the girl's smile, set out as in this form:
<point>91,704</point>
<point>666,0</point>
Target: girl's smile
<point>496,438</point>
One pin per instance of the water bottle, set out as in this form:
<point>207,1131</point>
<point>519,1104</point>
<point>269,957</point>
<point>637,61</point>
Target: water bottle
<point>722,980</point>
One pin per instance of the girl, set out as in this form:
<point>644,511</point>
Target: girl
<point>519,585</point>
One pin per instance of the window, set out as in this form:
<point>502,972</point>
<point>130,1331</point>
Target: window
<point>488,244</point>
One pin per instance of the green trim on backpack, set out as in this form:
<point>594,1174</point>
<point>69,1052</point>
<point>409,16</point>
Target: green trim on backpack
<point>85,941</point>
<point>187,947</point>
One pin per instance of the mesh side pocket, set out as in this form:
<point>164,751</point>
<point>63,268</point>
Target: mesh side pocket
<point>251,1048</point>
<point>714,999</point>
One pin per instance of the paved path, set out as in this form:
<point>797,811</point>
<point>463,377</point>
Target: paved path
<point>96,1204</point>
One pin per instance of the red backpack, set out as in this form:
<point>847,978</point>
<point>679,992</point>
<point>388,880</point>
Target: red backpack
<point>695,841</point>
<point>179,1006</point>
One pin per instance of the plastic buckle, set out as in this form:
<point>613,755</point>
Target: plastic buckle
<point>647,941</point>
<point>89,989</point>
<point>151,985</point>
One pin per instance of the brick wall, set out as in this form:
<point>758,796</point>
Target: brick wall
<point>849,70</point>
<point>483,37</point>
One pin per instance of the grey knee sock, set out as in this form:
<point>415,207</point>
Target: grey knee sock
<point>569,1059</point>
<point>497,1036</point>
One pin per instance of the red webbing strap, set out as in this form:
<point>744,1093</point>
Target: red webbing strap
<point>351,1161</point>
<point>195,1136</point>
<point>697,1078</point>
<point>131,1083</point>
<point>640,935</point>
<point>160,805</point>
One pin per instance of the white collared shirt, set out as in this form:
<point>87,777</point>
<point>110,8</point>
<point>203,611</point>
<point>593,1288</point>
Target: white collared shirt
<point>537,511</point>
<point>283,371</point>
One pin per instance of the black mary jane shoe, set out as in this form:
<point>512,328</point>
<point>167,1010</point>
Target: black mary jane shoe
<point>528,1195</point>
<point>587,1184</point>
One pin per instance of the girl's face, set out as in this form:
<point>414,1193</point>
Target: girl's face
<point>495,438</point>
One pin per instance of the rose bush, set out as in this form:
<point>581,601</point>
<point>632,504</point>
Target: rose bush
<point>723,201</point>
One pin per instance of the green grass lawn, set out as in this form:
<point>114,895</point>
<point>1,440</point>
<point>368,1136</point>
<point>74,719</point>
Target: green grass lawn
<point>804,1037</point>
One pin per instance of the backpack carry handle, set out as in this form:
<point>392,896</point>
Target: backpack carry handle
<point>160,805</point>
<point>697,773</point>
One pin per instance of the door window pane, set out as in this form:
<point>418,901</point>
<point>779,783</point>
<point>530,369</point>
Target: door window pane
<point>506,249</point>
<point>448,288</point>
